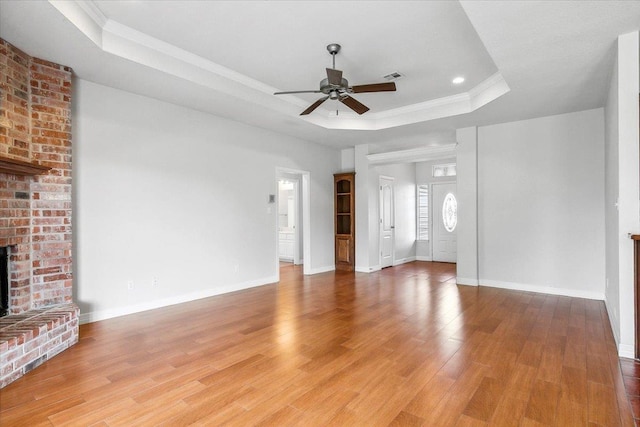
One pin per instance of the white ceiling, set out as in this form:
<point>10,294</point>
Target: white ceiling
<point>521,59</point>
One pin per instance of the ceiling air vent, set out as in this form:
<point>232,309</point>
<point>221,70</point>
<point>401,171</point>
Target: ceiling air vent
<point>393,76</point>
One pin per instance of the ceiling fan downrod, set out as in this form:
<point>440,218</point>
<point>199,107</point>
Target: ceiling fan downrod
<point>333,49</point>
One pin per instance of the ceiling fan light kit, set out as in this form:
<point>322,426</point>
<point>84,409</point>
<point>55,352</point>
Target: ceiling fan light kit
<point>337,88</point>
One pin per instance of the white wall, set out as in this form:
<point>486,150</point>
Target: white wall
<point>541,204</point>
<point>467,192</point>
<point>612,259</point>
<point>365,218</point>
<point>623,187</point>
<point>424,175</point>
<point>348,161</point>
<point>167,192</point>
<point>404,187</point>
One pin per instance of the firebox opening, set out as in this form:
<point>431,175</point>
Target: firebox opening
<point>4,281</point>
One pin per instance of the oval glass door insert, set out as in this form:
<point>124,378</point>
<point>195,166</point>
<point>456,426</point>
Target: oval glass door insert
<point>450,212</point>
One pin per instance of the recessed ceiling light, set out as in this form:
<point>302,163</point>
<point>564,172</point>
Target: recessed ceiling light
<point>458,80</point>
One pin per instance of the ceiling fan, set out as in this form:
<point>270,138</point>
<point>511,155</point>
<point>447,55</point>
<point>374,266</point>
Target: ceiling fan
<point>337,88</point>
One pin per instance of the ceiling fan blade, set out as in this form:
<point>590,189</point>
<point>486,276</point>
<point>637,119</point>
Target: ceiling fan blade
<point>354,104</point>
<point>314,106</point>
<point>376,87</point>
<point>296,91</point>
<point>334,76</point>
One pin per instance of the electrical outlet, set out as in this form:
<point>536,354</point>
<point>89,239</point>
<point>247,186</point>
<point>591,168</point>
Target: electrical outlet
<point>154,281</point>
<point>236,267</point>
<point>130,285</point>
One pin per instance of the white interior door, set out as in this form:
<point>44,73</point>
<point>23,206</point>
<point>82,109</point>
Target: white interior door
<point>445,221</point>
<point>387,225</point>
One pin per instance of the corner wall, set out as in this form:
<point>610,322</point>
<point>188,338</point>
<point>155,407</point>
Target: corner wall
<point>541,204</point>
<point>622,189</point>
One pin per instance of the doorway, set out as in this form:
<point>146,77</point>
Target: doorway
<point>445,221</point>
<point>288,229</point>
<point>292,223</point>
<point>387,222</point>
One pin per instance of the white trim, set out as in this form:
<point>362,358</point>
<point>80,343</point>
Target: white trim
<point>125,42</point>
<point>178,299</point>
<point>86,16</point>
<point>319,270</point>
<point>305,214</point>
<point>371,269</point>
<point>297,187</point>
<point>551,290</point>
<point>616,337</point>
<point>423,257</point>
<point>403,260</point>
<point>467,282</point>
<point>422,154</point>
<point>306,223</point>
<point>626,350</point>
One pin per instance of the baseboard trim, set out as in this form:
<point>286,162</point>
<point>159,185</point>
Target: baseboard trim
<point>616,335</point>
<point>371,269</point>
<point>626,350</point>
<point>542,289</point>
<point>319,270</point>
<point>403,260</point>
<point>95,316</point>
<point>467,282</point>
<point>424,258</point>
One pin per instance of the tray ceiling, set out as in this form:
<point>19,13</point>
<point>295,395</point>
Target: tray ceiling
<point>227,58</point>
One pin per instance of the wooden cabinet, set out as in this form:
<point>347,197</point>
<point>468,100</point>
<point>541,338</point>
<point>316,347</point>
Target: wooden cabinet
<point>286,245</point>
<point>345,220</point>
<point>636,289</point>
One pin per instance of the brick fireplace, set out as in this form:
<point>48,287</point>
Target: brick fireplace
<point>35,211</point>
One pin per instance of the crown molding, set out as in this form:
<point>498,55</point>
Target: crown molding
<point>120,40</point>
<point>85,15</point>
<point>421,154</point>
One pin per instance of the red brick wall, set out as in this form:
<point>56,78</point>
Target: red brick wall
<point>35,212</point>
<point>14,102</point>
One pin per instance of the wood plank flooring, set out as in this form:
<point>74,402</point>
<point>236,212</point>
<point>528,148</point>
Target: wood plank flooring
<point>631,378</point>
<point>404,347</point>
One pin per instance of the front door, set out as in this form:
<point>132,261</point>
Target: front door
<point>445,221</point>
<point>386,222</point>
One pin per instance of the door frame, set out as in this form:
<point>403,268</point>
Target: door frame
<point>296,234</point>
<point>393,214</point>
<point>432,213</point>
<point>303,217</point>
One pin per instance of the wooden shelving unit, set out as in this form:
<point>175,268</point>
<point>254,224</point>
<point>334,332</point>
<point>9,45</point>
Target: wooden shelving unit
<point>344,188</point>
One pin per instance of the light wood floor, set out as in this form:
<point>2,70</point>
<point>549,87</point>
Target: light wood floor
<point>404,346</point>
